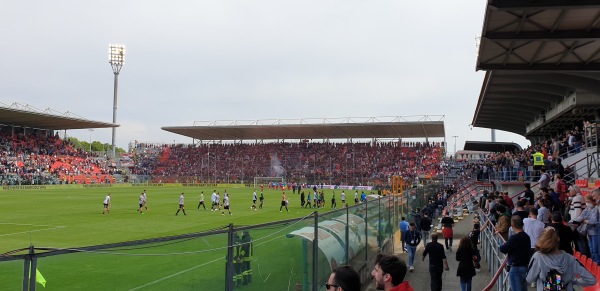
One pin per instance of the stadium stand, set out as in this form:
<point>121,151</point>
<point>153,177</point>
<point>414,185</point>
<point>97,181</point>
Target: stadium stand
<point>358,163</point>
<point>38,157</point>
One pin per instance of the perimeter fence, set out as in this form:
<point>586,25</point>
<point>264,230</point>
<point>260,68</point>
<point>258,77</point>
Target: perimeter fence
<point>295,254</point>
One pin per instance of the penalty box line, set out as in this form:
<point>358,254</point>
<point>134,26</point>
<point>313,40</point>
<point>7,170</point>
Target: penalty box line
<point>47,227</point>
<point>189,269</point>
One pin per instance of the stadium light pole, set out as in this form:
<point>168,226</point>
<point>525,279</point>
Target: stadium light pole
<point>116,58</point>
<point>455,136</point>
<point>90,130</point>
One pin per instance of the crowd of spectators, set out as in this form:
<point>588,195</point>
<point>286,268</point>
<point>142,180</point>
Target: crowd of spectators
<point>40,157</point>
<point>520,165</point>
<point>336,163</point>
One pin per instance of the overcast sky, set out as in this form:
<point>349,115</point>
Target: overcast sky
<point>223,60</point>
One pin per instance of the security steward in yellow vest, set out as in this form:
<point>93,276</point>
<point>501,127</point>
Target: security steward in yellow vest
<point>538,162</point>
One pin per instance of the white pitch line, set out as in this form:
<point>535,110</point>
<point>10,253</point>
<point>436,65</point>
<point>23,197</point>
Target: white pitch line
<point>30,231</point>
<point>192,268</point>
<point>176,274</point>
<point>10,223</point>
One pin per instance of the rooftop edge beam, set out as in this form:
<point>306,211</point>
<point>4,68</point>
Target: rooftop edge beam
<point>545,4</point>
<point>545,35</point>
<point>541,67</point>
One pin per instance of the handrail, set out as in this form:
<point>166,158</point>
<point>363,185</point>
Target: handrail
<point>504,262</point>
<point>496,276</point>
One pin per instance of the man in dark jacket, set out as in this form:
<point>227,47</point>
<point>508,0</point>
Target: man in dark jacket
<point>564,232</point>
<point>518,250</point>
<point>425,228</point>
<point>437,262</point>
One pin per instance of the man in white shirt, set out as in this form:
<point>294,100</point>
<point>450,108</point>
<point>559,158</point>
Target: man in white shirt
<point>201,201</point>
<point>213,200</point>
<point>226,204</point>
<point>140,210</point>
<point>106,204</point>
<point>533,227</point>
<point>181,205</point>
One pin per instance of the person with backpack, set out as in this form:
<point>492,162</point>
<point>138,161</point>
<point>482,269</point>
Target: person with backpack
<point>553,269</point>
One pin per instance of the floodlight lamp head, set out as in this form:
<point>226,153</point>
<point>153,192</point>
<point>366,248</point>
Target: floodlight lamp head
<point>116,56</point>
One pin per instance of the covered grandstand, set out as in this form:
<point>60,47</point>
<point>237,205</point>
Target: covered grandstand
<point>332,151</point>
<point>31,152</point>
<point>542,63</point>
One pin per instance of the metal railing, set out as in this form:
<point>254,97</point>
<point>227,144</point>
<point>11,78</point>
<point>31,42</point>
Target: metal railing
<point>490,251</point>
<point>295,254</point>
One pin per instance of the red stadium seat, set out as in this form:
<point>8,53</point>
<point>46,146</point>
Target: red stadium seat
<point>588,263</point>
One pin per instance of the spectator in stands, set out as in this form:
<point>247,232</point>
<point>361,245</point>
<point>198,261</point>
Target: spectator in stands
<point>544,178</point>
<point>520,211</point>
<point>447,230</point>
<point>544,211</point>
<point>560,187</point>
<point>576,202</point>
<point>509,201</point>
<point>528,194</point>
<point>586,232</point>
<point>533,227</point>
<point>518,251</point>
<point>389,273</point>
<point>564,232</point>
<point>466,267</point>
<point>437,262</point>
<point>549,257</point>
<point>425,227</point>
<point>344,279</point>
<point>503,222</point>
<point>404,225</point>
<point>413,238</point>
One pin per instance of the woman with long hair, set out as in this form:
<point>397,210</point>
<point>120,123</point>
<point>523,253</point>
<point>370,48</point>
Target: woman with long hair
<point>466,266</point>
<point>548,258</point>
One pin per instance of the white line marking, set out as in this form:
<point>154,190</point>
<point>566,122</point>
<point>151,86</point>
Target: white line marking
<point>10,223</point>
<point>192,268</point>
<point>30,231</point>
<point>176,274</point>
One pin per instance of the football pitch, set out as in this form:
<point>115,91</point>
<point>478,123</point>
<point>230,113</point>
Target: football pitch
<point>72,218</point>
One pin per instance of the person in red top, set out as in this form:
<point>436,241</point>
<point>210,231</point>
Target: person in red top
<point>560,187</point>
<point>509,201</point>
<point>389,273</point>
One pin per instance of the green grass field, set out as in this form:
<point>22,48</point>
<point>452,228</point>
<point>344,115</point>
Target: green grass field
<point>70,218</point>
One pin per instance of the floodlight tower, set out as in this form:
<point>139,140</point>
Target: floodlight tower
<point>116,58</point>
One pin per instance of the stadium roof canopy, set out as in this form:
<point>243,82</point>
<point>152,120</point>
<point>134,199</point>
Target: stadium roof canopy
<point>543,63</point>
<point>494,147</point>
<point>332,128</point>
<point>31,117</point>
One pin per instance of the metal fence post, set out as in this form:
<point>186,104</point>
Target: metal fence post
<point>347,254</point>
<point>379,230</point>
<point>366,230</point>
<point>316,254</point>
<point>26,269</point>
<point>33,272</point>
<point>229,262</point>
